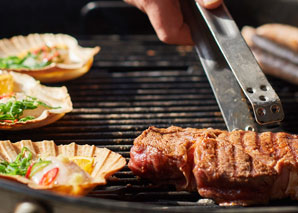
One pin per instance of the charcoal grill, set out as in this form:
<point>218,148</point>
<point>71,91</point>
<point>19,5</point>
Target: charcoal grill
<point>136,82</point>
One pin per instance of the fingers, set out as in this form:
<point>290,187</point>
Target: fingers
<point>210,4</point>
<point>136,3</point>
<point>167,20</point>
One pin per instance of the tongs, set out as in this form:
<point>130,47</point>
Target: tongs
<point>238,83</point>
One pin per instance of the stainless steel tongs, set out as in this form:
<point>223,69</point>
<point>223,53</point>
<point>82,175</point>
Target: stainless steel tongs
<point>232,70</point>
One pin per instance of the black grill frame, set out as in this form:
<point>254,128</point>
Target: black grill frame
<point>136,82</point>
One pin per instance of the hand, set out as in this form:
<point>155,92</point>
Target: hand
<point>167,19</point>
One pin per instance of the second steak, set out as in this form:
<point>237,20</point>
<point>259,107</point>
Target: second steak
<point>233,168</point>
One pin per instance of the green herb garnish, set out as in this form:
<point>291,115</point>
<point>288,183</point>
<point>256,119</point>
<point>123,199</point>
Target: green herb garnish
<point>19,166</point>
<point>29,61</point>
<point>35,59</point>
<point>39,166</point>
<point>14,109</point>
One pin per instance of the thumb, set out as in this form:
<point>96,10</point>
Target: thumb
<point>210,4</point>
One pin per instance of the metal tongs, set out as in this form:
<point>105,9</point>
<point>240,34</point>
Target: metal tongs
<point>232,70</point>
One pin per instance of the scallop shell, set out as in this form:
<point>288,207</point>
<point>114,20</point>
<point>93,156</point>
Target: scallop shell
<point>80,61</point>
<point>53,96</point>
<point>106,163</point>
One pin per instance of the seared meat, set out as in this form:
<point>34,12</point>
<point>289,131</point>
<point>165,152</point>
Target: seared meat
<point>233,168</point>
<point>165,155</point>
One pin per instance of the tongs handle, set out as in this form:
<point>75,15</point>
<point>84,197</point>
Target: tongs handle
<point>266,104</point>
<point>229,65</point>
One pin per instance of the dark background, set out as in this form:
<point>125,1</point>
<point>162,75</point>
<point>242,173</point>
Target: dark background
<point>116,17</point>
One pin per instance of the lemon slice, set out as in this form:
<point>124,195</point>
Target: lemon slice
<point>6,84</point>
<point>86,163</point>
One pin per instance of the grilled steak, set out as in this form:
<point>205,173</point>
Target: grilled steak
<point>233,168</point>
<point>165,155</point>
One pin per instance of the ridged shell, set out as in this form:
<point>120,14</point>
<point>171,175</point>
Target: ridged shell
<point>80,62</point>
<point>106,163</point>
<point>53,96</point>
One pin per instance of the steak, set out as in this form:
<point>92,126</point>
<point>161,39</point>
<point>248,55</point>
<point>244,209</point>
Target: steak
<point>233,168</point>
<point>165,155</point>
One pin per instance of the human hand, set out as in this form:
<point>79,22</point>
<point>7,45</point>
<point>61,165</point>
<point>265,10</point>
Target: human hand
<point>167,19</point>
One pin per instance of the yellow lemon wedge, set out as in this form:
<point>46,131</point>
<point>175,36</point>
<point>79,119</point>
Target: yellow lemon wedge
<point>86,163</point>
<point>6,84</point>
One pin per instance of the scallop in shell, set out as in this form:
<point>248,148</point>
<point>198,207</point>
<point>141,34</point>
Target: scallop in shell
<point>105,163</point>
<point>75,60</point>
<point>54,102</point>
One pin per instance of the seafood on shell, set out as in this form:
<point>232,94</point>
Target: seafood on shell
<point>20,88</point>
<point>105,163</point>
<point>76,61</point>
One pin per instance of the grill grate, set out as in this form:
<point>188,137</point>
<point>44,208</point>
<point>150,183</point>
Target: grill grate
<point>137,82</point>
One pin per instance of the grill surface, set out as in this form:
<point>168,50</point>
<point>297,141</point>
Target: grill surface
<point>137,82</point>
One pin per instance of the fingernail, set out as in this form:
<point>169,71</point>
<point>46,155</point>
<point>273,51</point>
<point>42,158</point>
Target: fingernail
<point>209,2</point>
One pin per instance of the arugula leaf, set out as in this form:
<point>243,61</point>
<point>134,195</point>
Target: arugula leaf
<point>29,61</point>
<point>42,103</point>
<point>28,118</point>
<point>14,109</point>
<point>19,166</point>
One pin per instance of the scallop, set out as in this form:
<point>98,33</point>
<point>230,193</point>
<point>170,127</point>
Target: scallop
<point>24,86</point>
<point>105,164</point>
<point>78,60</point>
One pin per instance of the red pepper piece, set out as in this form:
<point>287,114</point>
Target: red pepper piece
<point>35,52</point>
<point>10,121</point>
<point>6,95</point>
<point>44,48</point>
<point>29,170</point>
<point>55,54</point>
<point>49,177</point>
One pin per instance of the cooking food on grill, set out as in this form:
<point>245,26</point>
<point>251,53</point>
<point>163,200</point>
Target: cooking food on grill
<point>233,168</point>
<point>36,58</point>
<point>275,47</point>
<point>66,169</point>
<point>46,57</point>
<point>26,104</point>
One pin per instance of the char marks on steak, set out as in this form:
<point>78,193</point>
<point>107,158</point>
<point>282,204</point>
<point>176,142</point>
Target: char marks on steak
<point>233,168</point>
<point>165,155</point>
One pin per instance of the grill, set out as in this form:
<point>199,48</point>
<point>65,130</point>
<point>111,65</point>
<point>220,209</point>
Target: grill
<point>136,82</point>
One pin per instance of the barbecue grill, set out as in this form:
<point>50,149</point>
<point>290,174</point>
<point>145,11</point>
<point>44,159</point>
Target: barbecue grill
<point>136,82</point>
